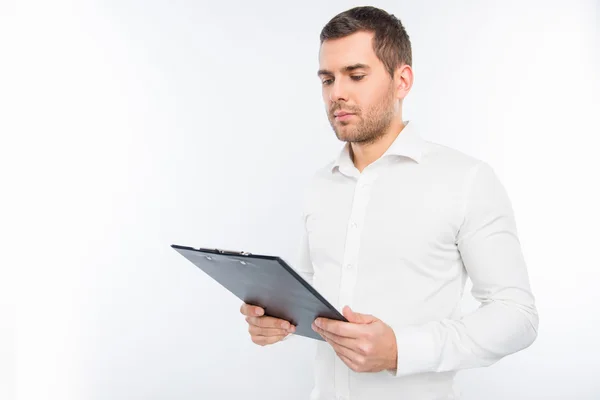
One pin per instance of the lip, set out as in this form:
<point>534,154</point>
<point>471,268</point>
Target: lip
<point>343,117</point>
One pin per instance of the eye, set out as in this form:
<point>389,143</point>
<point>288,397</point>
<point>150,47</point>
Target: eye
<point>353,77</point>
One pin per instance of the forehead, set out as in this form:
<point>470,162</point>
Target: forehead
<point>352,49</point>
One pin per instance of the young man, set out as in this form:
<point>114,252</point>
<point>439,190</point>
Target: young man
<point>393,227</point>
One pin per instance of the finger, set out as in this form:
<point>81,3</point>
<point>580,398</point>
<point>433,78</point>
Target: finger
<point>269,322</point>
<point>250,310</point>
<point>348,356</point>
<point>356,358</point>
<point>350,343</point>
<point>264,340</point>
<point>340,328</point>
<point>348,362</point>
<point>257,331</point>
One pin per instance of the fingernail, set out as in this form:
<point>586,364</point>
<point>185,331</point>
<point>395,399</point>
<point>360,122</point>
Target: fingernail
<point>285,325</point>
<point>258,311</point>
<point>318,323</point>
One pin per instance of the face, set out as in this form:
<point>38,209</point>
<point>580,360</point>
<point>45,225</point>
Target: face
<point>354,80</point>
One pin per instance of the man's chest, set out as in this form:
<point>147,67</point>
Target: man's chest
<point>386,220</point>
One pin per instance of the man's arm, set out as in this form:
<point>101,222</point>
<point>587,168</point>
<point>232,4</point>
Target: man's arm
<point>303,263</point>
<point>507,319</point>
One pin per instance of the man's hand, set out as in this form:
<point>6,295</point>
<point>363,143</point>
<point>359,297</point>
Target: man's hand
<point>265,330</point>
<point>365,344</point>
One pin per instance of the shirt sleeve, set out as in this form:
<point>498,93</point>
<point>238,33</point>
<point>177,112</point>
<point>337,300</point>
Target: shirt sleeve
<point>506,320</point>
<point>303,264</point>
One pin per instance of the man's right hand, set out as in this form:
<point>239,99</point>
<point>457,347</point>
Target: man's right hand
<point>265,330</point>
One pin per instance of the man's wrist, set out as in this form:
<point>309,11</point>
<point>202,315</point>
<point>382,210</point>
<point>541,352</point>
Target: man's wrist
<point>393,363</point>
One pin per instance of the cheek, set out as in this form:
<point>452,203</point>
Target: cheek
<point>368,106</point>
<point>326,104</point>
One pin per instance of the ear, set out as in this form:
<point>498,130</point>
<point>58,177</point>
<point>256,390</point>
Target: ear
<point>357,318</point>
<point>403,78</point>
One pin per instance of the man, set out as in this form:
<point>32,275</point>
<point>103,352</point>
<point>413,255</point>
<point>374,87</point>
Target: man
<point>393,227</point>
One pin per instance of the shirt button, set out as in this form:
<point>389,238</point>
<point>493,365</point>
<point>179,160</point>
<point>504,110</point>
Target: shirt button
<point>353,225</point>
<point>348,266</point>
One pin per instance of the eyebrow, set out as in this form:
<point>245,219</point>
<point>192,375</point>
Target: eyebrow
<point>348,68</point>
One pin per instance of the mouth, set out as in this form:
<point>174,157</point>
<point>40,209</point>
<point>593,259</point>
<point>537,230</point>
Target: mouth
<point>343,117</point>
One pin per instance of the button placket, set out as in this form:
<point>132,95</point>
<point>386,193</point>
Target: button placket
<point>351,249</point>
<point>362,194</point>
<point>349,271</point>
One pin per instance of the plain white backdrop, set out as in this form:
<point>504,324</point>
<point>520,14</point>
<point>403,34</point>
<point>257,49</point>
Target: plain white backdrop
<point>127,126</point>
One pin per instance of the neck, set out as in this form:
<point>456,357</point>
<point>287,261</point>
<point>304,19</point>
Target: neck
<point>363,154</point>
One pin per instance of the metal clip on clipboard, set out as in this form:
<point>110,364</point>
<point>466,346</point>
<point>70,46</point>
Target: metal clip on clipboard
<point>227,252</point>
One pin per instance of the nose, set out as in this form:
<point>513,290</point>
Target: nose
<point>337,91</point>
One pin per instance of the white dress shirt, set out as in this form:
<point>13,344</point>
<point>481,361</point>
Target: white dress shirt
<point>398,241</point>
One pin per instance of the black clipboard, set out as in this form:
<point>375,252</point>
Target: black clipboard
<point>265,281</point>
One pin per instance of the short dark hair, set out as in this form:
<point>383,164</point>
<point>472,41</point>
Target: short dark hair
<point>391,42</point>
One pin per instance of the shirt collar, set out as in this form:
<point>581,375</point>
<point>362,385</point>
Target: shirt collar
<point>408,143</point>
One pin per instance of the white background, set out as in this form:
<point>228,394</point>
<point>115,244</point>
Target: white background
<point>128,126</point>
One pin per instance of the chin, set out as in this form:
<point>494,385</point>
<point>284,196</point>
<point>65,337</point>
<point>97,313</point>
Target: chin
<point>343,132</point>
<point>346,136</point>
<point>341,136</point>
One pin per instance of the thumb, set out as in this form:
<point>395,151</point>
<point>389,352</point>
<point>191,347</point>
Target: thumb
<point>357,318</point>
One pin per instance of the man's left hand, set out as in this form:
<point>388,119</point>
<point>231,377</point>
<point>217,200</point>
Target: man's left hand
<point>364,344</point>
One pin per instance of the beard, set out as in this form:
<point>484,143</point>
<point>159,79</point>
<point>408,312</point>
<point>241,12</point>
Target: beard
<point>370,127</point>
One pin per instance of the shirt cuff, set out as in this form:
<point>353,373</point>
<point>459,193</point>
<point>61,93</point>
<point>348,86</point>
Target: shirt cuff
<point>288,337</point>
<point>416,351</point>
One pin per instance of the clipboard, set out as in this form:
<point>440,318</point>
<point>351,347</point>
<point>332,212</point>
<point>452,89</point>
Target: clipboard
<point>265,281</point>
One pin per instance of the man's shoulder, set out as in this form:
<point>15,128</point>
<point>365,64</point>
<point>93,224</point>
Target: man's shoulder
<point>321,172</point>
<point>449,159</point>
<point>324,170</point>
<point>318,181</point>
